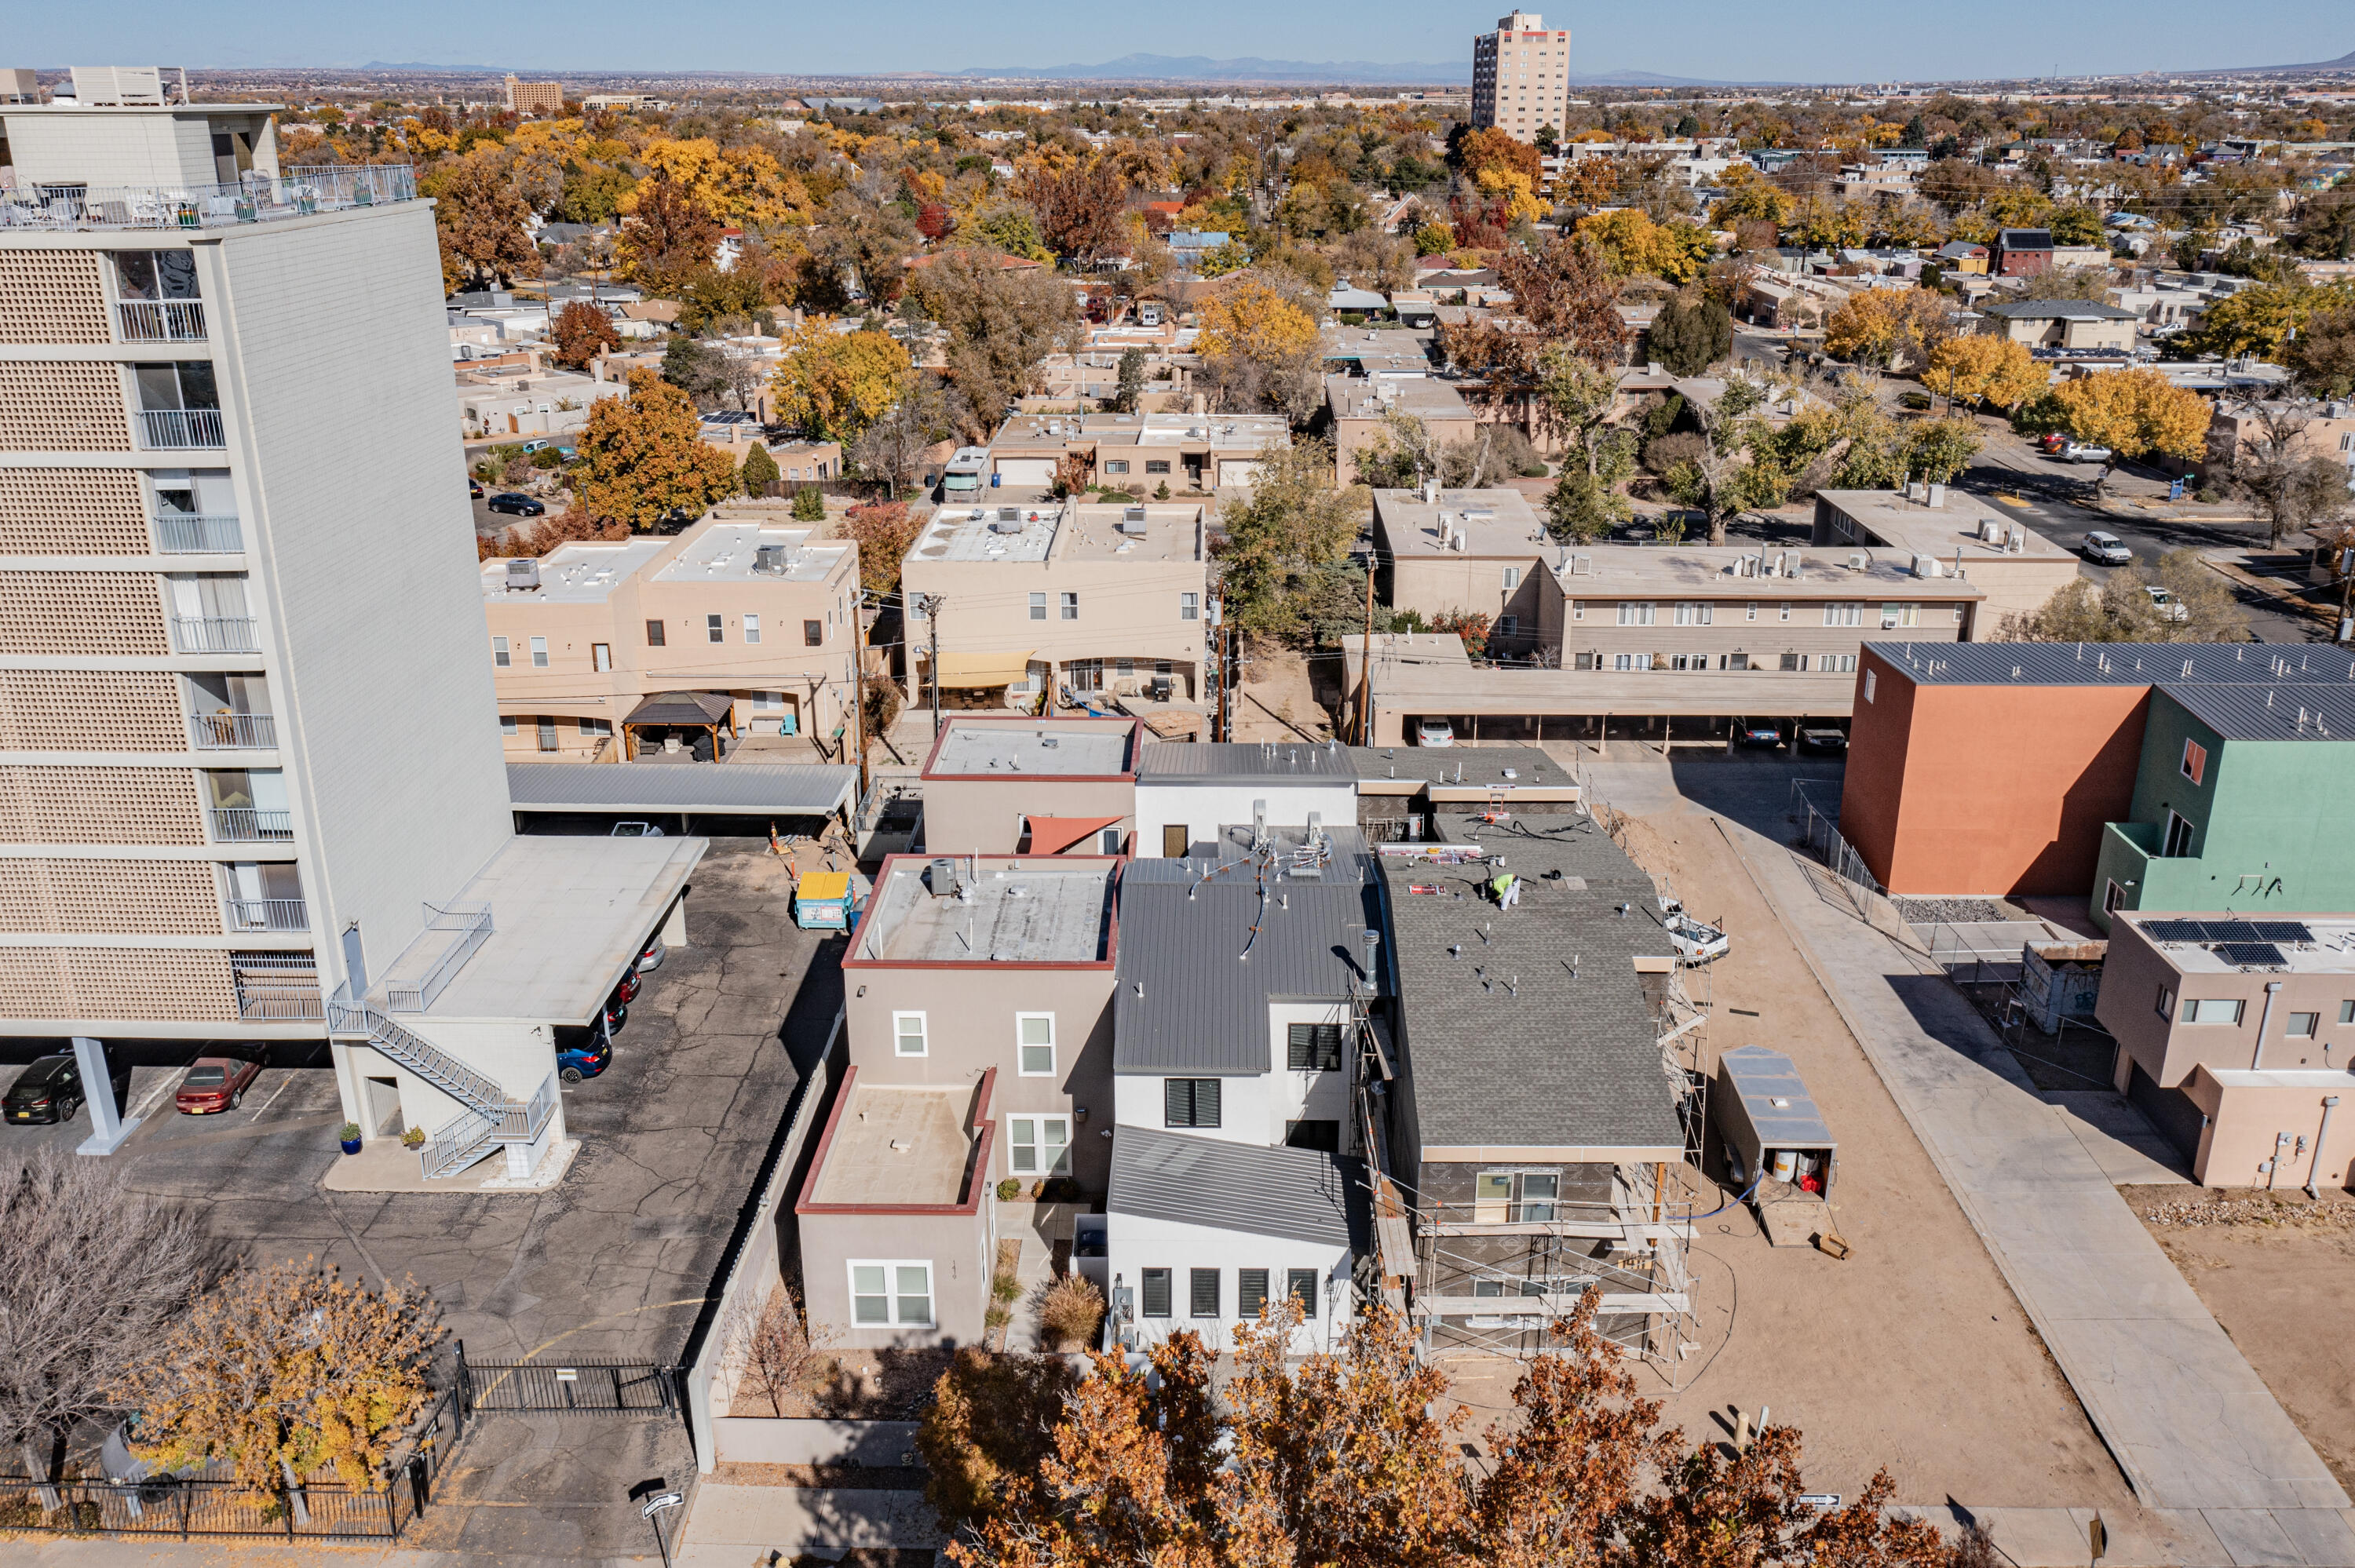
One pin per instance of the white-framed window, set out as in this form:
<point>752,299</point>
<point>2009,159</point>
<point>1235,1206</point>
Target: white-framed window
<point>1843,663</point>
<point>1787,610</point>
<point>502,656</point>
<point>1038,1145</point>
<point>1631,661</point>
<point>1034,1045</point>
<point>2213,1009</point>
<point>1071,607</point>
<point>891,1293</point>
<point>1115,465</point>
<point>752,629</point>
<point>1839,614</point>
<point>2302,1025</point>
<point>1038,606</point>
<point>908,1034</point>
<point>1750,612</point>
<point>1512,578</point>
<point>539,653</point>
<point>1578,609</point>
<point>600,655</point>
<point>714,628</point>
<point>591,728</point>
<point>1871,679</point>
<point>1635,612</point>
<point>1694,612</point>
<point>507,724</point>
<point>1189,607</point>
<point>2195,761</point>
<point>1893,616</point>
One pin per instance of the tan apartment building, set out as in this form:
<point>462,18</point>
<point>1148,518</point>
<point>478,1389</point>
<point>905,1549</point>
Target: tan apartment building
<point>1042,787</point>
<point>2328,432</point>
<point>977,1015</point>
<point>1359,405</point>
<point>2014,567</point>
<point>534,97</point>
<point>586,642</point>
<point>1140,452</point>
<point>2236,1036</point>
<point>1027,600</point>
<point>1520,76</point>
<point>1442,551</point>
<point>2074,325</point>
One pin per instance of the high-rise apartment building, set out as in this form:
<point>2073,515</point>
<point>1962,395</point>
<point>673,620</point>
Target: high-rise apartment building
<point>248,774</point>
<point>534,97</point>
<point>1520,76</point>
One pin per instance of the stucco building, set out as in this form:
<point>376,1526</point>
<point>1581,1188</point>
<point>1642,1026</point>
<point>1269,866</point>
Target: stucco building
<point>1520,76</point>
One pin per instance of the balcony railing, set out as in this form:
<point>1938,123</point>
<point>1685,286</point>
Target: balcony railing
<point>178,429</point>
<point>257,198</point>
<point>242,824</point>
<point>232,732</point>
<point>278,987</point>
<point>160,321</point>
<point>214,634</point>
<point>190,533</point>
<point>266,914</point>
<point>470,925</point>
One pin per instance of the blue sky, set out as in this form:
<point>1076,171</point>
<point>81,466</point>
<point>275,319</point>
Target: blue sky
<point>1806,40</point>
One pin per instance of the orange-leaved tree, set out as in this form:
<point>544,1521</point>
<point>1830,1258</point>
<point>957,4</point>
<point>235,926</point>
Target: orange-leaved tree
<point>641,458</point>
<point>582,332</point>
<point>2135,414</point>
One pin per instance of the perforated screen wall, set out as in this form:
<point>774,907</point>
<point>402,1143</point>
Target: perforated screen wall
<point>109,897</point>
<point>52,296</point>
<point>71,512</point>
<point>61,408</point>
<point>97,985</point>
<point>72,710</point>
<point>99,806</point>
<point>101,613</point>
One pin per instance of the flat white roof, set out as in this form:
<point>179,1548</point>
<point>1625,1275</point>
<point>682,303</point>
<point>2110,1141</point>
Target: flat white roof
<point>725,551</point>
<point>1037,748</point>
<point>896,1144</point>
<point>578,573</point>
<point>1171,532</point>
<point>966,534</point>
<point>1497,522</point>
<point>1028,910</point>
<point>1939,530</point>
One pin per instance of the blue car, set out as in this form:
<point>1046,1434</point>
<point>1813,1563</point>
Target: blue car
<point>584,1060</point>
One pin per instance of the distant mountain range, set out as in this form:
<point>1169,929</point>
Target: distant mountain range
<point>1201,68</point>
<point>2344,62</point>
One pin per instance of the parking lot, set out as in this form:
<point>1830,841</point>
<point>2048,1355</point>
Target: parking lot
<point>614,1262</point>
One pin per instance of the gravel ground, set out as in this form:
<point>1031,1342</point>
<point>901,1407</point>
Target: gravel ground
<point>1952,911</point>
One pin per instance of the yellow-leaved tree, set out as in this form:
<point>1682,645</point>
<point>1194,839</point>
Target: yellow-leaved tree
<point>1887,328</point>
<point>1260,348</point>
<point>1982,367</point>
<point>2135,414</point>
<point>1634,244</point>
<point>1516,189</point>
<point>741,185</point>
<point>836,383</point>
<point>644,459</point>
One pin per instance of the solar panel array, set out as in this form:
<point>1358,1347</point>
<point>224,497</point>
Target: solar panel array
<point>2251,955</point>
<point>2228,931</point>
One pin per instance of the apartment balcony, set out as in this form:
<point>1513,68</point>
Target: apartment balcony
<point>189,533</point>
<point>232,732</point>
<point>160,321</point>
<point>245,824</point>
<point>180,429</point>
<point>257,198</point>
<point>266,914</point>
<point>278,988</point>
<point>214,634</point>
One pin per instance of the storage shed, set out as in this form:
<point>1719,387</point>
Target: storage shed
<point>1770,1121</point>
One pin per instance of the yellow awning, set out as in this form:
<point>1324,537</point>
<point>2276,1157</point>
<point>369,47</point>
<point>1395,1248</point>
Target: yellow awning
<point>824,885</point>
<point>984,669</point>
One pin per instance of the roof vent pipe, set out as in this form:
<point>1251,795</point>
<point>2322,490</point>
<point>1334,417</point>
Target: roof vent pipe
<point>2257,1059</point>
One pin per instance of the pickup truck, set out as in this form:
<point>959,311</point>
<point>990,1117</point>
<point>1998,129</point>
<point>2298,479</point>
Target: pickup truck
<point>1694,943</point>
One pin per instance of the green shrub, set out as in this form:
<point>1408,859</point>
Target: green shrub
<point>1533,470</point>
<point>809,504</point>
<point>1008,1189</point>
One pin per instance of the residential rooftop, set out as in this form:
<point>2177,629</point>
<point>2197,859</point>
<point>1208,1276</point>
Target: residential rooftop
<point>1140,531</point>
<point>1960,522</point>
<point>2235,944</point>
<point>1606,570</point>
<point>577,572</point>
<point>895,1145</point>
<point>1300,1195</point>
<point>730,552</point>
<point>1082,748</point>
<point>1230,432</point>
<point>1241,762</point>
<point>990,909</point>
<point>1359,397</point>
<point>1495,522</point>
<point>1483,767</point>
<point>2056,311</point>
<point>992,533</point>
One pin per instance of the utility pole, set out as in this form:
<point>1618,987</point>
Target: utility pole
<point>858,681</point>
<point>1218,651</point>
<point>932,603</point>
<point>2345,594</point>
<point>1366,658</point>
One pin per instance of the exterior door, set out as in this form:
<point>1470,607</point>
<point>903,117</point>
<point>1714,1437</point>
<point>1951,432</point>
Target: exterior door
<point>1173,841</point>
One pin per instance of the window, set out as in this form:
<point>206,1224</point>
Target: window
<point>1189,607</point>
<point>2213,1009</point>
<point>1300,1283</point>
<point>1154,1298</point>
<point>1034,1034</point>
<point>1108,842</point>
<point>1837,614</point>
<point>2302,1025</point>
<point>589,728</point>
<point>890,1294</point>
<point>1512,578</point>
<point>1189,1102</point>
<point>546,726</point>
<point>1115,465</point>
<point>2166,996</point>
<point>1631,661</point>
<point>1251,1292</point>
<point>1690,612</point>
<point>1514,1197</point>
<point>654,633</point>
<point>501,658</point>
<point>1787,610</point>
<point>1795,661</point>
<point>1071,607</point>
<point>1578,609</point>
<point>1844,662</point>
<point>2195,761</point>
<point>1202,1293</point>
<point>1749,612</point>
<point>2178,837</point>
<point>1038,606</point>
<point>1038,1145</point>
<point>1734,661</point>
<point>2114,898</point>
<point>1508,625</point>
<point>752,629</point>
<point>1539,1189</point>
<point>908,1034</point>
<point>1635,612</point>
<point>1893,616</point>
<point>715,629</point>
<point>1157,465</point>
<point>600,655</point>
<point>813,634</point>
<point>539,653</point>
<point>507,724</point>
<point>1313,1047</point>
<point>2347,1012</point>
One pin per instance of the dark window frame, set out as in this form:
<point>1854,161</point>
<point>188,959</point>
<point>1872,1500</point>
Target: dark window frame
<point>1300,1283</point>
<point>1191,1102</point>
<point>1313,1047</point>
<point>654,634</point>
<point>1152,1285</point>
<point>813,633</point>
<point>1201,1287</point>
<point>1251,1292</point>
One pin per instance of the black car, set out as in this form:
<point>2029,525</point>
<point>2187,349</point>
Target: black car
<point>51,1090</point>
<point>1823,740</point>
<point>520,505</point>
<point>473,488</point>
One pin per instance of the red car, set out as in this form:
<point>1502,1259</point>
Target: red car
<point>627,992</point>
<point>215,1084</point>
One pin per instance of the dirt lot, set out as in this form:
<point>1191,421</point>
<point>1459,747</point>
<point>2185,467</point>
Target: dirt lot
<point>1913,1353</point>
<point>1276,700</point>
<point>2273,1269</point>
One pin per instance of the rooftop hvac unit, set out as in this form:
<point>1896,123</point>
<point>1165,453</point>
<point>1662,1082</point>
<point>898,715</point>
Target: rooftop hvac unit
<point>1859,561</point>
<point>1479,514</point>
<point>1991,531</point>
<point>2016,541</point>
<point>1927,567</point>
<point>1132,521</point>
<point>770,558</point>
<point>1008,521</point>
<point>523,577</point>
<point>1937,496</point>
<point>940,877</point>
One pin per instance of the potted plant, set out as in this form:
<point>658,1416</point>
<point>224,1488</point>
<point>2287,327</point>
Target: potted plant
<point>351,1137</point>
<point>414,1138</point>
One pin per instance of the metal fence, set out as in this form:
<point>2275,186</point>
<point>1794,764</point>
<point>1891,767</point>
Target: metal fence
<point>254,198</point>
<point>575,1388</point>
<point>1819,832</point>
<point>191,533</point>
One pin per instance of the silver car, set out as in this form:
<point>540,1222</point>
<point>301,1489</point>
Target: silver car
<point>2107,550</point>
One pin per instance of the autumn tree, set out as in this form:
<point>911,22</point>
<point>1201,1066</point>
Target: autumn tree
<point>889,449</point>
<point>1633,245</point>
<point>667,236</point>
<point>1259,349</point>
<point>836,384</point>
<point>282,1371</point>
<point>2323,354</point>
<point>1292,525</point>
<point>1002,326</point>
<point>643,457</point>
<point>1940,449</point>
<point>1984,367</point>
<point>2278,469</point>
<point>2120,609</point>
<point>883,533</point>
<point>478,219</point>
<point>1082,209</point>
<point>1565,292</point>
<point>1887,328</point>
<point>96,1273</point>
<point>2135,414</point>
<point>582,332</point>
<point>772,1353</point>
<point>987,1434</point>
<point>1718,480</point>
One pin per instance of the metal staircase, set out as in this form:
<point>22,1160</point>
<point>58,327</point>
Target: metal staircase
<point>490,1117</point>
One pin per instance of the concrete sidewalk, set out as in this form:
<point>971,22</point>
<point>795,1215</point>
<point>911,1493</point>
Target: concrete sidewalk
<point>2186,1418</point>
<point>734,1525</point>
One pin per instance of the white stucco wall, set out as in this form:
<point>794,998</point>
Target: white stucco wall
<point>1205,808</point>
<point>1253,1109</point>
<point>1136,1244</point>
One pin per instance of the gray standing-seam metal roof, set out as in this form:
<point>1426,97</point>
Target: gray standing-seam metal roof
<point>1222,762</point>
<point>2285,712</point>
<point>785,790</point>
<point>1528,1027</point>
<point>1188,1001</point>
<point>2115,663</point>
<point>1300,1195</point>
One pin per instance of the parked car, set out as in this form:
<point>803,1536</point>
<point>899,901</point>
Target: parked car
<point>473,488</point>
<point>2052,441</point>
<point>2084,451</point>
<point>617,1013</point>
<point>534,444</point>
<point>520,505</point>
<point>215,1084</point>
<point>2106,549</point>
<point>650,958</point>
<point>627,992</point>
<point>1434,732</point>
<point>1758,732</point>
<point>636,831</point>
<point>582,1058</point>
<point>51,1090</point>
<point>1823,740</point>
<point>2168,606</point>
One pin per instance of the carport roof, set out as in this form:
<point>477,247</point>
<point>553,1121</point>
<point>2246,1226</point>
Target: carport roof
<point>755,789</point>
